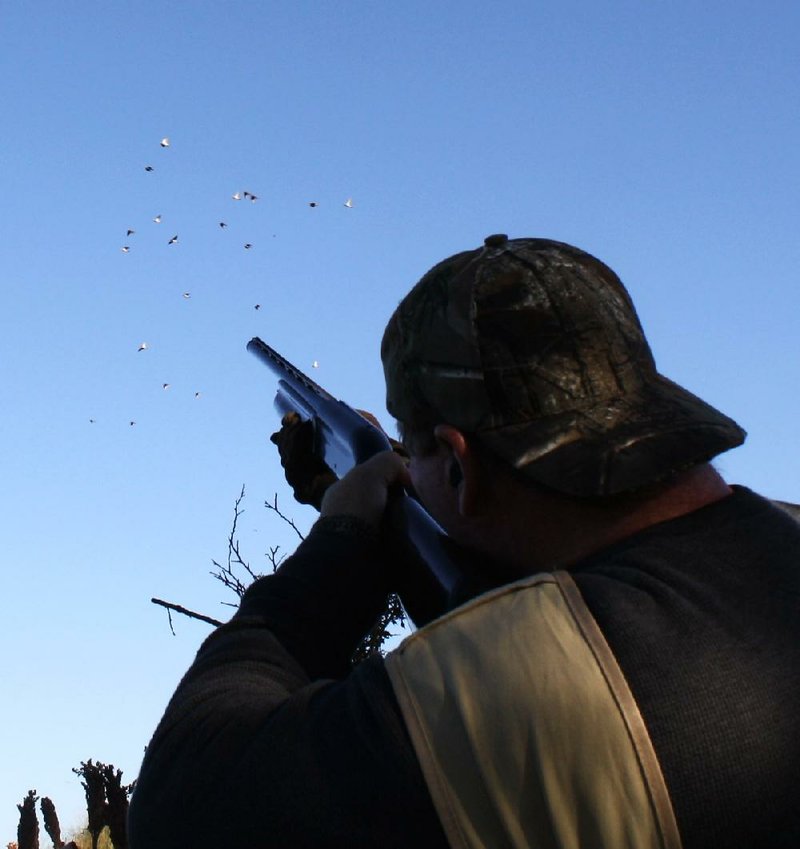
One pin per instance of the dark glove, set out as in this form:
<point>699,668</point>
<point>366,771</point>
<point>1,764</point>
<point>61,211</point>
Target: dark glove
<point>306,474</point>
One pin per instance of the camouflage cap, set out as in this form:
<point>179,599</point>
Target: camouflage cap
<point>535,347</point>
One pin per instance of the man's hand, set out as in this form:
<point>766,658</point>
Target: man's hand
<point>364,491</point>
<point>308,475</point>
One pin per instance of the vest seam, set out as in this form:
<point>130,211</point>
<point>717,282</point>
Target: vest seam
<point>438,786</point>
<point>638,734</point>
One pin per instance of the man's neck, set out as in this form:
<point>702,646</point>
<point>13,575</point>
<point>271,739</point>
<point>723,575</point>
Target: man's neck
<point>542,532</point>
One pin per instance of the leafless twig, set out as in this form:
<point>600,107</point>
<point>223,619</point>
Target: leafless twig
<point>272,556</point>
<point>185,612</point>
<point>274,508</point>
<point>226,574</point>
<point>236,575</point>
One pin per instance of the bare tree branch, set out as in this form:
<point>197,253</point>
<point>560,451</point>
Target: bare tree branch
<point>236,574</point>
<point>272,556</point>
<point>274,508</point>
<point>226,574</point>
<point>190,613</point>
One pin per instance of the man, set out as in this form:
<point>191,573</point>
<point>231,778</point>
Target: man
<point>633,681</point>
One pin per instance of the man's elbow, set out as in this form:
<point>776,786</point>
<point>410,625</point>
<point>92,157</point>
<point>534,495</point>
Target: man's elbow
<point>166,813</point>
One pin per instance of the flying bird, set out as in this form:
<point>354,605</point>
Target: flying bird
<point>248,246</point>
<point>223,224</point>
<point>196,394</point>
<point>125,249</point>
<point>251,196</point>
<point>315,364</point>
<point>130,232</point>
<point>349,203</point>
<point>257,307</point>
<point>91,421</point>
<point>165,386</point>
<point>313,203</point>
<point>149,168</point>
<point>157,219</point>
<point>144,346</point>
<point>131,423</point>
<point>164,142</point>
<point>187,295</point>
<point>237,196</point>
<point>173,240</point>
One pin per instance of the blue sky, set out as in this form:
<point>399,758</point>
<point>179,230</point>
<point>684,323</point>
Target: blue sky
<point>662,137</point>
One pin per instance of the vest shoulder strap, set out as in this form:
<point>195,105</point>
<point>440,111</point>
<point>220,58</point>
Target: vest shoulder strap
<point>525,728</point>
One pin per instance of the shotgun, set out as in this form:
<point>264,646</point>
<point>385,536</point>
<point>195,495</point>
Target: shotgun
<point>431,564</point>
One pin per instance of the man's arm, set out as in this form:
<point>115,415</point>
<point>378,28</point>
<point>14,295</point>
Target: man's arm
<point>321,439</point>
<point>269,740</point>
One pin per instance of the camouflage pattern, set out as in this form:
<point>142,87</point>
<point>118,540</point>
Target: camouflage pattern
<point>535,347</point>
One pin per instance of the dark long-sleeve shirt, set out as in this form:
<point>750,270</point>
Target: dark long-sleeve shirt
<point>271,741</point>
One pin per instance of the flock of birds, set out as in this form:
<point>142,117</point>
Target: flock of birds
<point>240,195</point>
<point>236,196</point>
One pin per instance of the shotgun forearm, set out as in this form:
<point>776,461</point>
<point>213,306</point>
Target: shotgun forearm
<point>342,439</point>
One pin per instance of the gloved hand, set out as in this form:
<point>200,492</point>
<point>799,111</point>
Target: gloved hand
<point>309,476</point>
<point>306,474</point>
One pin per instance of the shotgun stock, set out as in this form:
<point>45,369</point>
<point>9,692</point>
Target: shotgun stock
<point>430,566</point>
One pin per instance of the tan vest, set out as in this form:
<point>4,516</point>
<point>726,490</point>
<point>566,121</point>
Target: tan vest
<point>525,728</point>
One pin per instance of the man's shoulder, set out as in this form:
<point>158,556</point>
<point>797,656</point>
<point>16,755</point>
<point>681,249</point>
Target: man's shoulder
<point>483,606</point>
<point>748,499</point>
<point>545,609</point>
<point>792,509</point>
<point>523,675</point>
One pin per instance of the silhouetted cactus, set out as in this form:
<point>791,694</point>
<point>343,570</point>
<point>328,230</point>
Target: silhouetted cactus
<point>94,788</point>
<point>51,823</point>
<point>106,805</point>
<point>28,828</point>
<point>117,795</point>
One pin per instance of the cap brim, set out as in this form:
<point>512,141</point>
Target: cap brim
<point>662,429</point>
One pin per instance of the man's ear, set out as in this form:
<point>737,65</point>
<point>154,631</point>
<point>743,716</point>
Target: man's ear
<point>464,471</point>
